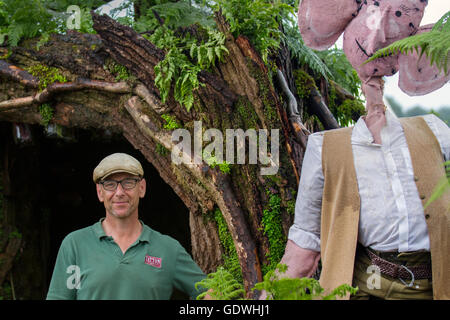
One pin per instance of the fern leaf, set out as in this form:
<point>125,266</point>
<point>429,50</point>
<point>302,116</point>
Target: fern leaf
<point>434,44</point>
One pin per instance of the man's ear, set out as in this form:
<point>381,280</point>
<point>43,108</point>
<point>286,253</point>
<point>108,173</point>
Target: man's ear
<point>99,192</point>
<point>142,188</point>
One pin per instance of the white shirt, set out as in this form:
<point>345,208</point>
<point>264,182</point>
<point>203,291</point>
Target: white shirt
<point>391,212</point>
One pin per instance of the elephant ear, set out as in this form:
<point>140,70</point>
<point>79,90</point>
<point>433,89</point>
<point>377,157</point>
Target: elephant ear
<point>321,22</point>
<point>417,76</point>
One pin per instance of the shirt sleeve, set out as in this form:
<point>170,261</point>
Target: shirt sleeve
<point>63,285</point>
<point>442,133</point>
<point>187,274</point>
<point>305,231</point>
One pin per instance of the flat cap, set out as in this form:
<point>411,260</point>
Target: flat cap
<point>115,163</point>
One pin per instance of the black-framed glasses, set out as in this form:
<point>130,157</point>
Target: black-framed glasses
<point>127,184</point>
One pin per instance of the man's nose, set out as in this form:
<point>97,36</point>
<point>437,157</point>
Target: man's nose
<point>119,189</point>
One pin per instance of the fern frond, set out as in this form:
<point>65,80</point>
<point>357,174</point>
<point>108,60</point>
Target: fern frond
<point>434,44</point>
<point>223,285</point>
<point>302,53</point>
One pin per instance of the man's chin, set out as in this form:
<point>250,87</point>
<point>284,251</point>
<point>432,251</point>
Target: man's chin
<point>121,214</point>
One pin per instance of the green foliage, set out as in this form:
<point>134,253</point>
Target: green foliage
<point>434,44</point>
<point>213,162</point>
<point>47,75</point>
<point>161,150</point>
<point>46,112</point>
<point>25,19</point>
<point>272,225</point>
<point>207,53</point>
<point>348,111</point>
<point>304,83</point>
<point>302,53</point>
<point>297,288</point>
<point>258,20</point>
<point>224,286</point>
<point>175,15</point>
<point>178,69</point>
<point>290,208</point>
<point>15,234</point>
<point>341,70</point>
<point>171,122</point>
<point>121,72</point>
<point>231,260</point>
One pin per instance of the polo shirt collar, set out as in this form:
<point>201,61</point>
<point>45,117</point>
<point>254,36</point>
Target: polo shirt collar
<point>145,235</point>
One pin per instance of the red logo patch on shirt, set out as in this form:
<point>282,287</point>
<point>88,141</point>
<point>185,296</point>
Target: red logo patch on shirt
<point>153,261</point>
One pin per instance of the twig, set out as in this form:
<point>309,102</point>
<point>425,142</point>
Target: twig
<point>54,88</point>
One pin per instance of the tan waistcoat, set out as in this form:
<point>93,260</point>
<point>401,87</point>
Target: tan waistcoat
<point>341,205</point>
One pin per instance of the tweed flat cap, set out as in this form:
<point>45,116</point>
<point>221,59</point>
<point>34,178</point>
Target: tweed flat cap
<point>115,163</point>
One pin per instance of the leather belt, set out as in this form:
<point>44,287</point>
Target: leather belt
<point>399,271</point>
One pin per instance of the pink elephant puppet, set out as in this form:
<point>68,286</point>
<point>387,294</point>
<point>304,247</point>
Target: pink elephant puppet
<point>368,26</point>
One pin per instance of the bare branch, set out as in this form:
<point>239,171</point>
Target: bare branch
<point>54,88</point>
<point>16,74</point>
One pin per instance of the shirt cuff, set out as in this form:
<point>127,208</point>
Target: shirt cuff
<point>304,239</point>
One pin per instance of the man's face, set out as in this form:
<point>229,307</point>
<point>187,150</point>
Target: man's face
<point>121,203</point>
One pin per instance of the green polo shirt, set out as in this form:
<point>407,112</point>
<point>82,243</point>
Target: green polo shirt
<point>90,266</point>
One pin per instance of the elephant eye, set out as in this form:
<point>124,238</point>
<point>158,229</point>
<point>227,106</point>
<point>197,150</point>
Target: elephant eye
<point>398,13</point>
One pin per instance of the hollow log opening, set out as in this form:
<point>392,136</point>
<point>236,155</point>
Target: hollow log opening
<point>49,192</point>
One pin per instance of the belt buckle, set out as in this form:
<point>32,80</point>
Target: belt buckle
<point>410,272</point>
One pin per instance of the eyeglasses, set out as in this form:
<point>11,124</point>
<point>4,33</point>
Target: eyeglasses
<point>127,184</point>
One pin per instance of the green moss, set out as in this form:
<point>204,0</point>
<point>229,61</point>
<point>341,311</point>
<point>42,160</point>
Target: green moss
<point>332,98</point>
<point>46,112</point>
<point>231,260</point>
<point>47,75</point>
<point>273,229</point>
<point>211,160</point>
<point>161,150</point>
<point>304,83</point>
<point>119,71</point>
<point>290,207</point>
<point>247,114</point>
<point>15,235</point>
<point>348,111</point>
<point>171,122</point>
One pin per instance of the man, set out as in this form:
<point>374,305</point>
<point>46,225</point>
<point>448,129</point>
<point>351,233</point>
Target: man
<point>120,257</point>
<point>362,193</point>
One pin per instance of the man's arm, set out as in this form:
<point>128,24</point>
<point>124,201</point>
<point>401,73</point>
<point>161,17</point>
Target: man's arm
<point>187,273</point>
<point>65,279</point>
<point>300,262</point>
